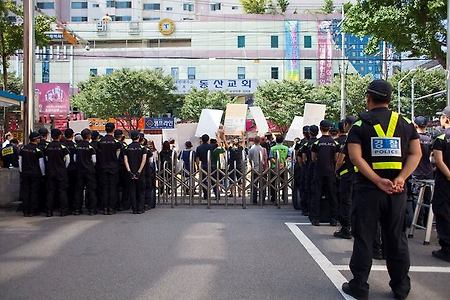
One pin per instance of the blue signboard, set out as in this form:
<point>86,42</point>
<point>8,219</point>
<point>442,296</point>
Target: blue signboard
<point>159,123</point>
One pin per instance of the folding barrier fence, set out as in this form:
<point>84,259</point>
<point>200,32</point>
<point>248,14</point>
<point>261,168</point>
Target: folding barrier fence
<point>224,184</point>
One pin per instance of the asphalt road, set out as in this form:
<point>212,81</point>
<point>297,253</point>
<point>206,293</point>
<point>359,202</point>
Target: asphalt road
<point>181,253</point>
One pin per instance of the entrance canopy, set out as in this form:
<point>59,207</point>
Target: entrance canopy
<point>9,99</point>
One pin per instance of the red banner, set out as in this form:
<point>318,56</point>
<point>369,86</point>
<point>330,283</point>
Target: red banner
<point>325,52</point>
<point>54,98</point>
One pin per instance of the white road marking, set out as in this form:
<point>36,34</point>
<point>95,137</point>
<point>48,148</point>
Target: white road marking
<point>327,267</point>
<point>418,269</point>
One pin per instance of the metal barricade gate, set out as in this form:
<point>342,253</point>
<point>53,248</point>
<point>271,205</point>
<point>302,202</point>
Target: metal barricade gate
<point>224,185</point>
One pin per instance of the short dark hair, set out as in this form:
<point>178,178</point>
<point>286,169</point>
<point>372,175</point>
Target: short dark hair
<point>118,133</point>
<point>205,138</point>
<point>55,133</point>
<point>95,135</point>
<point>257,139</point>
<point>279,139</point>
<point>85,133</point>
<point>166,146</point>
<point>68,133</point>
<point>14,141</point>
<point>43,131</point>
<point>109,127</point>
<point>188,144</point>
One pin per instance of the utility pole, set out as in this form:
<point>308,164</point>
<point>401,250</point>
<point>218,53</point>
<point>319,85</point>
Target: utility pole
<point>343,71</point>
<point>28,68</point>
<point>448,54</point>
<point>412,98</point>
<point>385,64</point>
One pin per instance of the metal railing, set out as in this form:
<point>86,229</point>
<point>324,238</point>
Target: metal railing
<point>223,183</point>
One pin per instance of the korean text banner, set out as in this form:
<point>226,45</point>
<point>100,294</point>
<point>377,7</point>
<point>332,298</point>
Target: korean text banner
<point>54,98</point>
<point>229,86</point>
<point>292,52</point>
<point>325,52</point>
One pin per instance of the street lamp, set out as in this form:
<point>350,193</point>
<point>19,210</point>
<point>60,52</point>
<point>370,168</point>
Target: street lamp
<point>399,87</point>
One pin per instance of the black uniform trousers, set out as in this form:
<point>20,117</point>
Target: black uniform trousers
<point>345,199</point>
<point>150,187</point>
<point>72,189</point>
<point>304,204</point>
<point>124,199</point>
<point>297,185</point>
<point>370,206</point>
<point>136,190</point>
<point>29,189</point>
<point>86,181</point>
<point>57,185</point>
<point>323,185</point>
<point>109,181</point>
<point>441,210</point>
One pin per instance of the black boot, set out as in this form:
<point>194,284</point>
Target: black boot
<point>355,294</point>
<point>343,233</point>
<point>49,213</point>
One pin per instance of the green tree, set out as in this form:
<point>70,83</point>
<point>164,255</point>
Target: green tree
<point>283,5</point>
<point>196,100</point>
<point>330,95</point>
<point>11,33</point>
<point>415,26</point>
<point>328,7</point>
<point>125,93</point>
<point>425,83</point>
<point>254,6</point>
<point>281,101</point>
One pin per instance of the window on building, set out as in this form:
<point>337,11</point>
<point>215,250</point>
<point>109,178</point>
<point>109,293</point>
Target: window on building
<point>307,41</point>
<point>110,3</point>
<point>308,73</point>
<point>274,41</point>
<point>241,72</point>
<point>152,6</point>
<point>123,4</point>
<point>274,73</point>
<point>175,73</point>
<point>79,19</point>
<point>79,5</point>
<point>234,7</point>
<point>191,72</point>
<point>169,8</point>
<point>109,71</point>
<point>95,5</point>
<point>93,72</point>
<point>122,18</point>
<point>241,41</point>
<point>45,5</point>
<point>151,18</point>
<point>11,19</point>
<point>216,6</point>
<point>188,7</point>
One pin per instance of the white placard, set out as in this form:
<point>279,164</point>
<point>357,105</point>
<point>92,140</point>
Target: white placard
<point>186,132</point>
<point>77,126</point>
<point>260,120</point>
<point>235,117</point>
<point>156,139</point>
<point>171,134</point>
<point>314,113</point>
<point>209,122</point>
<point>296,129</point>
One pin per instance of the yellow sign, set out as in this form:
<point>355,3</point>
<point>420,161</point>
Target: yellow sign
<point>166,26</point>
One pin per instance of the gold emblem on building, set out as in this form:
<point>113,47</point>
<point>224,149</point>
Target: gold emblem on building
<point>166,26</point>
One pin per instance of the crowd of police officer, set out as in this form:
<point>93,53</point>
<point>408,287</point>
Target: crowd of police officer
<point>362,176</point>
<point>102,174</point>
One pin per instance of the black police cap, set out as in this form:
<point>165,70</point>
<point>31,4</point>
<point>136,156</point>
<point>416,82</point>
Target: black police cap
<point>421,121</point>
<point>381,88</point>
<point>314,130</point>
<point>134,135</point>
<point>55,133</point>
<point>326,124</point>
<point>305,129</point>
<point>68,133</point>
<point>350,120</point>
<point>118,132</point>
<point>34,135</point>
<point>95,134</point>
<point>43,131</point>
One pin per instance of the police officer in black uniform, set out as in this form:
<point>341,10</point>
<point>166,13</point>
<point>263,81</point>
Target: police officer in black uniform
<point>95,138</point>
<point>57,158</point>
<point>344,171</point>
<point>123,199</point>
<point>85,160</point>
<point>308,164</point>
<point>441,198</point>
<point>10,154</point>
<point>302,165</point>
<point>32,168</point>
<point>135,158</point>
<point>42,145</point>
<point>109,149</point>
<point>297,192</point>
<point>71,172</point>
<point>323,153</point>
<point>385,148</point>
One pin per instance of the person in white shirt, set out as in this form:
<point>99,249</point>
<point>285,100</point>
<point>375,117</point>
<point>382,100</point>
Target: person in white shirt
<point>8,138</point>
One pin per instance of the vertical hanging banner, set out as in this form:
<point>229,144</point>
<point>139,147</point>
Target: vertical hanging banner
<point>292,52</point>
<point>325,52</point>
<point>53,98</point>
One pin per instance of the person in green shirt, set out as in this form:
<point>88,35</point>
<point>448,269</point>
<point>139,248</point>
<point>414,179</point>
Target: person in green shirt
<point>283,152</point>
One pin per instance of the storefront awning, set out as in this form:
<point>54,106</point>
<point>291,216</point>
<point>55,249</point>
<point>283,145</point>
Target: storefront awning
<point>9,99</point>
